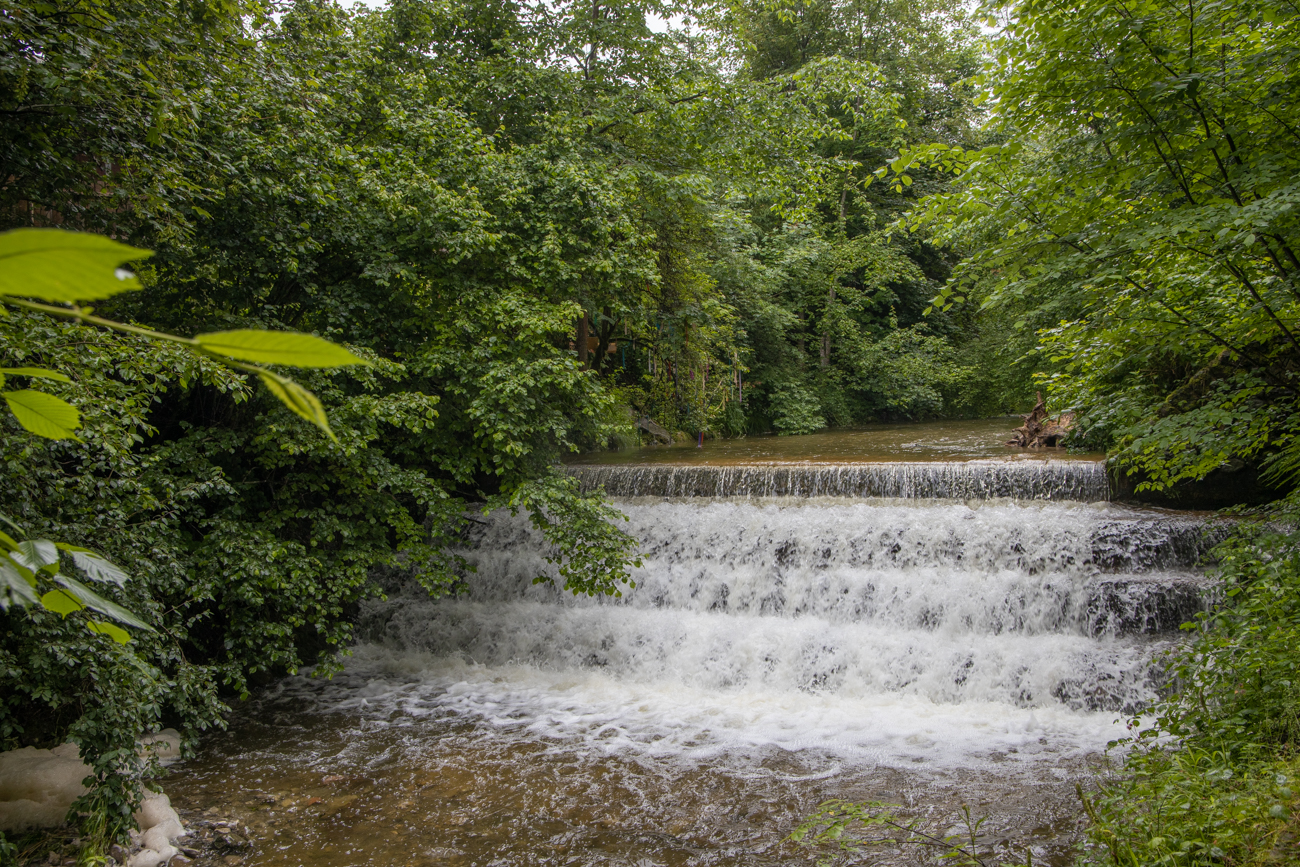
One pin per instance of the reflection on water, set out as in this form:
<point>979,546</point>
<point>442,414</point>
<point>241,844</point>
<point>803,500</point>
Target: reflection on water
<point>981,439</point>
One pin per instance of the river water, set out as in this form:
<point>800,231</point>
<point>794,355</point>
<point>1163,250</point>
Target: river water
<point>932,634</point>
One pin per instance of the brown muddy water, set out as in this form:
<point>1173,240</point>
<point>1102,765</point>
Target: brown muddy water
<point>925,650</point>
<point>980,439</point>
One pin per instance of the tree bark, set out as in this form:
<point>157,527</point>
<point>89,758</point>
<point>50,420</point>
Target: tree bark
<point>581,342</point>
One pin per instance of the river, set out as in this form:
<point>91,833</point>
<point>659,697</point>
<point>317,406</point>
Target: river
<point>908,614</point>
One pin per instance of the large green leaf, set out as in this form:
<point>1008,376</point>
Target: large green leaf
<point>61,602</point>
<point>91,599</point>
<point>14,586</point>
<point>55,265</point>
<point>38,555</point>
<point>298,399</point>
<point>44,414</point>
<point>277,347</point>
<point>94,565</point>
<point>37,372</point>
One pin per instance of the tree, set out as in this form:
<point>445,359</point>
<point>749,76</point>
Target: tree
<point>1142,205</point>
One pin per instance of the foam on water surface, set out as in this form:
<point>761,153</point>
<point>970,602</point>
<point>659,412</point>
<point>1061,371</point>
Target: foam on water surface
<point>594,711</point>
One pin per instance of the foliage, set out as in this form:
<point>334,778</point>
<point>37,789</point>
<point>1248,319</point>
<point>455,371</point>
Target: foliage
<point>1141,200</point>
<point>511,216</point>
<point>1224,792</point>
<point>1135,212</point>
<point>1194,806</point>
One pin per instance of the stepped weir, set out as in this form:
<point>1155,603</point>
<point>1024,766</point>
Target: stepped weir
<point>958,480</point>
<point>934,632</point>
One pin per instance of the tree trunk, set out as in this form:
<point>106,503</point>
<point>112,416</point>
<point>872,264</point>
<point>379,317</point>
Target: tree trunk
<point>604,333</point>
<point>581,342</point>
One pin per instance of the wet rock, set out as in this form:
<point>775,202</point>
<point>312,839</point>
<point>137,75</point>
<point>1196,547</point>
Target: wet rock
<point>146,858</point>
<point>164,746</point>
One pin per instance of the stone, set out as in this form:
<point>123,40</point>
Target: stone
<point>155,810</point>
<point>165,746</point>
<point>145,858</point>
<point>37,787</point>
<point>156,839</point>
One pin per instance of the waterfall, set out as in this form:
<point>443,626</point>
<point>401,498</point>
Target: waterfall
<point>958,480</point>
<point>902,630</point>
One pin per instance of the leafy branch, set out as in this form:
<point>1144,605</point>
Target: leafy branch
<point>62,270</point>
<point>65,269</point>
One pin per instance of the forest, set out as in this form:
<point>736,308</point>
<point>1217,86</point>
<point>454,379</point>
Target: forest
<point>527,226</point>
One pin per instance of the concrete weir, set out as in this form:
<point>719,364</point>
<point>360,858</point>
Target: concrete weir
<point>1084,481</point>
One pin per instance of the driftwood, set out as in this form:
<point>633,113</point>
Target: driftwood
<point>655,430</point>
<point>1039,430</point>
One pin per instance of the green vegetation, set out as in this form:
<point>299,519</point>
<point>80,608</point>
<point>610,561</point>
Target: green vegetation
<point>1134,225</point>
<point>522,221</point>
<point>497,230</point>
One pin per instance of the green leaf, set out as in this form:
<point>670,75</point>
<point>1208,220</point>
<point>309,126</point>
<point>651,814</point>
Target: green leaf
<point>121,636</point>
<point>55,265</point>
<point>44,414</point>
<point>40,372</point>
<point>277,347</point>
<point>15,587</point>
<point>61,602</point>
<point>5,519</point>
<point>38,555</point>
<point>94,565</point>
<point>298,399</point>
<point>91,599</point>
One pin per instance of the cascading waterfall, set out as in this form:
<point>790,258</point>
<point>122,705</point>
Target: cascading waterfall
<point>971,633</point>
<point>893,631</point>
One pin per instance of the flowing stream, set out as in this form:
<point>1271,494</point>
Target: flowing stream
<point>931,635</point>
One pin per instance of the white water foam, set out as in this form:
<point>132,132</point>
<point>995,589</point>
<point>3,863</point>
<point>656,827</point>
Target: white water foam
<point>597,713</point>
<point>945,634</point>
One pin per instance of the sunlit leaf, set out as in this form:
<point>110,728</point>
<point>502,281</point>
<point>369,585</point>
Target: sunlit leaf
<point>61,602</point>
<point>277,347</point>
<point>298,399</point>
<point>95,566</point>
<point>38,372</point>
<point>37,555</point>
<point>121,636</point>
<point>44,414</point>
<point>15,588</point>
<point>55,265</point>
